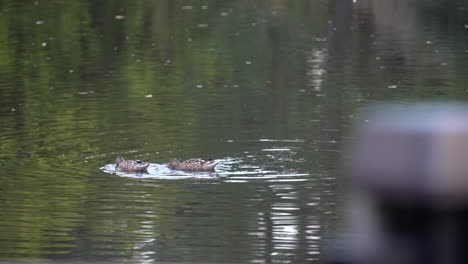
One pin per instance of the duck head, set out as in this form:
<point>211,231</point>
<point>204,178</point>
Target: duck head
<point>173,164</point>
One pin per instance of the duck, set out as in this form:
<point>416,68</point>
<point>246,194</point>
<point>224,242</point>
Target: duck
<point>130,165</point>
<point>193,165</point>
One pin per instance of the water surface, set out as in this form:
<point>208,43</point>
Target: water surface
<point>268,87</point>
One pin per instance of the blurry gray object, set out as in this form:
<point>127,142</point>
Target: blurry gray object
<point>406,176</point>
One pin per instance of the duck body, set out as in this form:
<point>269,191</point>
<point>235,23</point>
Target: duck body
<point>192,165</point>
<point>130,165</point>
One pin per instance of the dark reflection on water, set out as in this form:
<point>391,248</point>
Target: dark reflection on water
<point>267,87</point>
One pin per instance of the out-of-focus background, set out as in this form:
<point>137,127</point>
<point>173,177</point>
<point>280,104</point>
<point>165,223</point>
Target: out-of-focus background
<point>268,87</point>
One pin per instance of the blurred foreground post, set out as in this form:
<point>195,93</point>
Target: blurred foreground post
<point>407,184</point>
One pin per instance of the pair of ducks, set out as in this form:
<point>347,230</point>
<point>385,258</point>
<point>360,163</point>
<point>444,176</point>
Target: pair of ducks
<point>188,165</point>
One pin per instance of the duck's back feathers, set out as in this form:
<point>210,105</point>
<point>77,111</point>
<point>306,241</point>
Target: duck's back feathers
<point>130,165</point>
<point>193,165</point>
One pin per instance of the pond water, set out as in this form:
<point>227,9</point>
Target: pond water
<point>269,88</point>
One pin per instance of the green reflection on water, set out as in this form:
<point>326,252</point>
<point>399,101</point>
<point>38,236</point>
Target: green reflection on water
<point>85,81</point>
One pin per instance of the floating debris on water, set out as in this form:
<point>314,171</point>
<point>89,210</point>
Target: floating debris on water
<point>86,92</point>
<point>39,22</point>
<point>392,86</point>
<point>119,17</point>
<point>202,25</point>
<point>187,7</point>
<point>149,96</point>
<point>277,149</point>
<point>281,140</point>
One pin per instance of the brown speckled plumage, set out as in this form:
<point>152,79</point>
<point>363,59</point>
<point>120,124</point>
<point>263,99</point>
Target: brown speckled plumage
<point>192,165</point>
<point>130,165</point>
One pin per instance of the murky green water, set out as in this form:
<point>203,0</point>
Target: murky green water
<point>267,87</point>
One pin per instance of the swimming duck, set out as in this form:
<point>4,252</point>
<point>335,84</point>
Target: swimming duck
<point>130,165</point>
<point>192,165</point>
